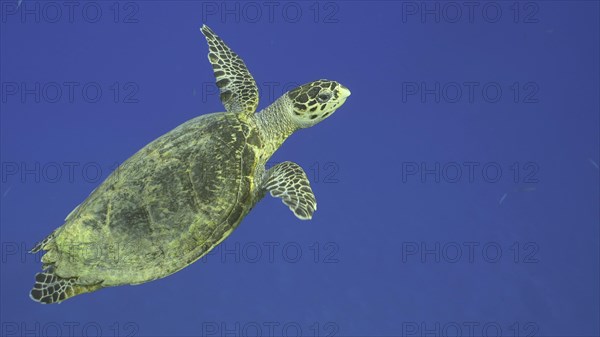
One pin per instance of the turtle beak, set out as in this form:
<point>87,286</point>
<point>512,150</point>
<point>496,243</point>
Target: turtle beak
<point>344,92</point>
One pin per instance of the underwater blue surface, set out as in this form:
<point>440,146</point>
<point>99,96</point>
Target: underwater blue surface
<point>458,186</point>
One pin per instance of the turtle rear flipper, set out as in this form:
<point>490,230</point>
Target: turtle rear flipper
<point>42,245</point>
<point>38,246</point>
<point>50,288</point>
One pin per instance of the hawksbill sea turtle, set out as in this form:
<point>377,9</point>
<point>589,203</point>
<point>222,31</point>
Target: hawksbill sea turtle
<point>185,192</point>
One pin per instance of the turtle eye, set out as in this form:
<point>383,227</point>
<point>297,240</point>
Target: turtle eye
<point>323,97</point>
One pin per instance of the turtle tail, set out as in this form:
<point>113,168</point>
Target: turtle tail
<point>50,288</point>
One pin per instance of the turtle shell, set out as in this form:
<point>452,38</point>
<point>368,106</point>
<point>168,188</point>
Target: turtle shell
<point>163,208</point>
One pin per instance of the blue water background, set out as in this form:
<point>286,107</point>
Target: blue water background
<point>380,256</point>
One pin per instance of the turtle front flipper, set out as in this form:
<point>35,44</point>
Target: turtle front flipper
<point>236,85</point>
<point>288,181</point>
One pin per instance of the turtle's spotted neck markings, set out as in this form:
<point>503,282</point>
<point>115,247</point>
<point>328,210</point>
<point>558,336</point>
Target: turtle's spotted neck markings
<point>174,209</point>
<point>302,107</point>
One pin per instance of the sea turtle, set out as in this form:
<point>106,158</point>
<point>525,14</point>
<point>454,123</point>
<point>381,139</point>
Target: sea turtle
<point>184,193</point>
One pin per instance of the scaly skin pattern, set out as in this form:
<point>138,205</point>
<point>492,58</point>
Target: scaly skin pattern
<point>165,207</point>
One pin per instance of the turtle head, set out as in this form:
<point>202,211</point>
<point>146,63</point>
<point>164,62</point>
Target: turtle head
<point>315,101</point>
